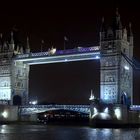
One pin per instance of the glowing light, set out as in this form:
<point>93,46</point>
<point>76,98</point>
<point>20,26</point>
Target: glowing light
<point>95,110</point>
<point>66,60</point>
<point>117,113</point>
<point>106,97</point>
<point>91,96</point>
<point>107,132</point>
<point>126,67</point>
<point>104,116</point>
<point>5,114</point>
<point>33,102</point>
<point>52,51</point>
<point>97,57</point>
<point>106,110</point>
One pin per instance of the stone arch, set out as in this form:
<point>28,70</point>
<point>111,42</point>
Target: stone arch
<point>17,100</point>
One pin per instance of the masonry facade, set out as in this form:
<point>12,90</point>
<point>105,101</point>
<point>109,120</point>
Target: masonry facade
<point>116,73</point>
<point>13,75</point>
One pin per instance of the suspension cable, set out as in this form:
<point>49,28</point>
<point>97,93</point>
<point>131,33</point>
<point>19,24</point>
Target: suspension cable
<point>131,62</point>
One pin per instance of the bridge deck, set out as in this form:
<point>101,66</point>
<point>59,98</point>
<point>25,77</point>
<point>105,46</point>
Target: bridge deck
<point>33,109</point>
<point>76,54</point>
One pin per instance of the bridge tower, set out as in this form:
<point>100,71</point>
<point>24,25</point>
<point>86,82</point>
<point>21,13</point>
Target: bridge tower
<point>20,79</point>
<point>116,74</point>
<point>13,76</point>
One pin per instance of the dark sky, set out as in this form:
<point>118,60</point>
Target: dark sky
<point>80,21</point>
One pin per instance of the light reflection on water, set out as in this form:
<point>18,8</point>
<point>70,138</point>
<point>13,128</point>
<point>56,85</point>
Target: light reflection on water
<point>52,132</point>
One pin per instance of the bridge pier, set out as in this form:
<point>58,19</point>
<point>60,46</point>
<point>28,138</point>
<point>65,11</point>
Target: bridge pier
<point>8,113</point>
<point>28,118</point>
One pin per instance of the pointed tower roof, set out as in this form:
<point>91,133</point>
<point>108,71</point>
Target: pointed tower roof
<point>1,39</point>
<point>102,29</point>
<point>130,33</point>
<point>12,38</point>
<point>117,25</point>
<point>91,96</point>
<point>1,35</point>
<point>118,20</point>
<point>27,43</point>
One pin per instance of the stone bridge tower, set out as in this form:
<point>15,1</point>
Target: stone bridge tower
<point>116,74</point>
<point>13,76</point>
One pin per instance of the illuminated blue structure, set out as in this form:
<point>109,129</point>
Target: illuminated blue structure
<point>76,54</point>
<point>34,109</point>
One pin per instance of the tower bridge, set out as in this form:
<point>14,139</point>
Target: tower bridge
<point>116,71</point>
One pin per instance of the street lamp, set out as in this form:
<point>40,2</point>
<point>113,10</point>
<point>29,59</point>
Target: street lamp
<point>4,114</point>
<point>33,102</point>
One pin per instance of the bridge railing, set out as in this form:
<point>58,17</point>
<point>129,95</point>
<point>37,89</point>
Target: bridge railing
<point>50,106</point>
<point>60,52</point>
<point>32,109</point>
<point>135,107</point>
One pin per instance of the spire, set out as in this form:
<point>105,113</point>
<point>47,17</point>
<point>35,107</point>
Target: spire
<point>91,98</point>
<point>12,43</point>
<point>42,45</point>
<point>1,37</point>
<point>102,25</point>
<point>130,29</point>
<point>118,20</point>
<point>1,42</point>
<point>117,11</point>
<point>130,38</point>
<point>5,46</point>
<point>12,38</point>
<point>102,30</point>
<point>27,46</point>
<point>117,25</point>
<point>125,34</point>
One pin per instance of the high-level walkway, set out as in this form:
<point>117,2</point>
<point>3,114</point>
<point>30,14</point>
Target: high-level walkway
<point>55,56</point>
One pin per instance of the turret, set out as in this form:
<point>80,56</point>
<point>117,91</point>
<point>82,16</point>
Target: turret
<point>124,34</point>
<point>91,98</point>
<point>1,42</point>
<point>5,46</point>
<point>102,30</point>
<point>118,25</point>
<point>130,40</point>
<point>27,46</point>
<point>12,44</point>
<point>42,45</point>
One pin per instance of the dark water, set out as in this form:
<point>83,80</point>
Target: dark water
<point>53,132</point>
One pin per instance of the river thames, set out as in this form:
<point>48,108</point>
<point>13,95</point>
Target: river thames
<point>62,132</point>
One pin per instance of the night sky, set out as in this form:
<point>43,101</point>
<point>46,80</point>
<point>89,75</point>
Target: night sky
<point>67,83</point>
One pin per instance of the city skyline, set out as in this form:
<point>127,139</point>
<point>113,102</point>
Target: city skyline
<point>81,27</point>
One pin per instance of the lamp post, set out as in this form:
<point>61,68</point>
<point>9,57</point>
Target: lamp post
<point>33,102</point>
